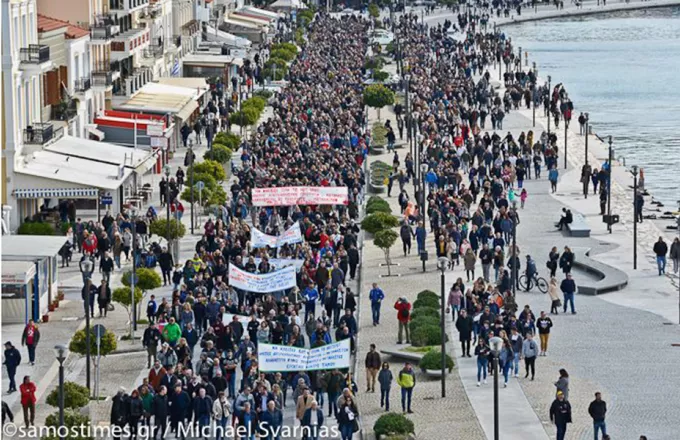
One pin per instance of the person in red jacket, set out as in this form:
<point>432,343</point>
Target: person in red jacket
<point>27,390</point>
<point>403,308</point>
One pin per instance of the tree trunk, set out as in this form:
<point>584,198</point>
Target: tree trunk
<point>387,260</point>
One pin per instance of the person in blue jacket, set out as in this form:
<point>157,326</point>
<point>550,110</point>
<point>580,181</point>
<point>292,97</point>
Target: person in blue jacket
<point>312,420</point>
<point>12,361</point>
<point>311,295</point>
<point>271,422</point>
<point>202,406</point>
<point>376,296</point>
<point>180,410</point>
<point>421,235</point>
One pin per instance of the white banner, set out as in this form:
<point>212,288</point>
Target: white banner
<point>280,263</point>
<point>300,195</point>
<point>259,239</point>
<point>275,358</point>
<point>227,318</point>
<point>262,283</point>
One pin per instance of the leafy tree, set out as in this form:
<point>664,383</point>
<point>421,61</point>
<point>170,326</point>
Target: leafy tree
<point>392,424</point>
<point>160,228</point>
<point>229,140</point>
<point>263,93</point>
<point>75,396</point>
<point>211,167</point>
<point>378,96</point>
<point>147,279</point>
<point>385,239</point>
<point>207,179</point>
<point>255,102</point>
<point>377,204</point>
<point>123,297</point>
<point>219,153</point>
<point>373,10</point>
<point>245,117</point>
<point>290,47</point>
<point>283,54</point>
<point>433,361</point>
<point>72,419</point>
<point>275,75</point>
<point>379,221</point>
<point>108,343</point>
<point>36,228</point>
<point>380,75</point>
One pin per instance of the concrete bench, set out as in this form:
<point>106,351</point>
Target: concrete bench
<point>610,278</point>
<point>578,226</point>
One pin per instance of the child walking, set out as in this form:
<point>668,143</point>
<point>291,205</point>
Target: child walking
<point>523,197</point>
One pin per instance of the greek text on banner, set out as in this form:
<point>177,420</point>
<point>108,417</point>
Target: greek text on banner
<point>300,195</point>
<point>274,358</point>
<point>262,283</point>
<point>291,235</point>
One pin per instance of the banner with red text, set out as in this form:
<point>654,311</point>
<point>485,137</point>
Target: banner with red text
<point>301,195</point>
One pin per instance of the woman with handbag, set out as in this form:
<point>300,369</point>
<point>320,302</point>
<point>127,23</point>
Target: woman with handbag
<point>553,258</point>
<point>347,419</point>
<point>554,293</point>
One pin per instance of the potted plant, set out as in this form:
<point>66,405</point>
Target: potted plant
<point>51,307</point>
<point>431,363</point>
<point>55,303</point>
<point>45,318</point>
<point>60,295</point>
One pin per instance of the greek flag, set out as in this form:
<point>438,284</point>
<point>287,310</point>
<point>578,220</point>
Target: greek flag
<point>175,68</point>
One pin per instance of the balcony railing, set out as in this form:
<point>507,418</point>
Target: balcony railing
<point>191,27</point>
<point>82,85</point>
<point>154,51</point>
<point>41,133</point>
<point>102,78</point>
<point>35,54</point>
<point>126,5</point>
<point>104,31</point>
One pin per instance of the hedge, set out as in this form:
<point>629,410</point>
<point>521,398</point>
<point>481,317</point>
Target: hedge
<point>423,312</point>
<point>75,396</point>
<point>160,228</point>
<point>380,75</point>
<point>426,335</point>
<point>72,419</point>
<point>263,93</point>
<point>36,228</point>
<point>377,204</point>
<point>424,321</point>
<point>210,167</point>
<point>433,361</point>
<point>392,423</point>
<point>108,343</point>
<point>285,46</point>
<point>378,221</point>
<point>427,294</point>
<point>229,140</point>
<point>219,153</point>
<point>283,54</point>
<point>426,302</point>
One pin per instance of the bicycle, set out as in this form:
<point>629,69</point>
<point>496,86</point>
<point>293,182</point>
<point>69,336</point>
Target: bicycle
<point>527,284</point>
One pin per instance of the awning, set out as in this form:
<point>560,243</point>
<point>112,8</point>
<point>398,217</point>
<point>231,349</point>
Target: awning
<point>103,152</point>
<point>226,37</point>
<point>185,113</point>
<point>56,192</point>
<point>98,134</point>
<point>261,12</point>
<point>243,24</point>
<point>288,4</point>
<point>243,16</point>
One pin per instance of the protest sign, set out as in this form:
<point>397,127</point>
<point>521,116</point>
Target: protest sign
<point>300,195</point>
<point>262,283</point>
<point>280,263</point>
<point>259,239</point>
<point>227,318</point>
<point>273,358</point>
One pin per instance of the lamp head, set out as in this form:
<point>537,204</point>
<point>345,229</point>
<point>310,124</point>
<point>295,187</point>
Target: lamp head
<point>549,79</point>
<point>86,266</point>
<point>634,169</point>
<point>60,352</point>
<point>496,344</point>
<point>586,114</point>
<point>424,167</point>
<point>166,170</point>
<point>442,263</point>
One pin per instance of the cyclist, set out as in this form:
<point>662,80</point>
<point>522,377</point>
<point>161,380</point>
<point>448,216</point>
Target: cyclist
<point>530,272</point>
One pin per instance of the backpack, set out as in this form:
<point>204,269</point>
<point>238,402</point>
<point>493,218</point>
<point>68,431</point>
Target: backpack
<point>403,313</point>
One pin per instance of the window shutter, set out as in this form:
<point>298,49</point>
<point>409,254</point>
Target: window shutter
<point>52,87</point>
<point>63,81</point>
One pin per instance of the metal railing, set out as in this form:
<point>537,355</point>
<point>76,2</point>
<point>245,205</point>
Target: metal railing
<point>35,53</point>
<point>154,51</point>
<point>64,111</point>
<point>102,78</point>
<point>104,31</point>
<point>39,133</point>
<point>82,85</point>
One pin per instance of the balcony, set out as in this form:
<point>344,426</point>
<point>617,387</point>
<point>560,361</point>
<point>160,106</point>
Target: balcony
<point>102,79</point>
<point>190,28</point>
<point>127,5</point>
<point>35,58</point>
<point>41,133</point>
<point>154,51</point>
<point>104,31</point>
<point>65,110</point>
<point>129,42</point>
<point>152,12</point>
<point>82,85</point>
<point>134,81</point>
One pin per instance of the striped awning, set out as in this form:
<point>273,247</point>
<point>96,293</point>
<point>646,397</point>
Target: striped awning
<point>40,193</point>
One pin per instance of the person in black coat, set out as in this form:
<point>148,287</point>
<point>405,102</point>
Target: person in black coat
<point>560,415</point>
<point>136,412</point>
<point>566,260</point>
<point>106,266</point>
<point>159,411</point>
<point>180,410</point>
<point>166,263</point>
<point>103,298</point>
<point>202,407</point>
<point>12,361</point>
<point>353,257</point>
<point>88,292</point>
<point>464,326</point>
<point>120,409</point>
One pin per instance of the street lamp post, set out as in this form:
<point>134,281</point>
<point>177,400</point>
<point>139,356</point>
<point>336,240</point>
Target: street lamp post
<point>87,268</point>
<point>423,171</point>
<point>133,276</point>
<point>442,264</point>
<point>533,92</point>
<point>61,351</point>
<point>587,124</point>
<point>496,345</point>
<point>515,261</point>
<point>191,183</point>
<point>549,105</point>
<point>609,180</point>
<point>634,170</point>
<point>678,221</point>
<point>166,170</point>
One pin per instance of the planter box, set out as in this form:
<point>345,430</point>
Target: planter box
<point>45,318</point>
<point>377,189</point>
<point>378,150</point>
<point>435,373</point>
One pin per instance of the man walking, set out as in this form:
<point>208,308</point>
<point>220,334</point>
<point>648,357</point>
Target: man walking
<point>12,361</point>
<point>372,366</point>
<point>407,381</point>
<point>30,339</point>
<point>544,324</point>
<point>464,327</point>
<point>403,308</point>
<point>376,296</point>
<point>152,337</point>
<point>560,415</point>
<point>598,410</point>
<point>568,287</point>
<point>661,249</point>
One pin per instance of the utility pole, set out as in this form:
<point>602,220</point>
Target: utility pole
<point>609,181</point>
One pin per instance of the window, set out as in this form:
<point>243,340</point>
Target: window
<point>16,42</point>
<point>24,31</point>
<point>76,74</point>
<point>18,107</point>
